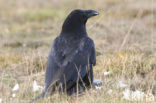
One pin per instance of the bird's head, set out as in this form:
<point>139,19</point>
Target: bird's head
<point>82,15</point>
<point>77,19</point>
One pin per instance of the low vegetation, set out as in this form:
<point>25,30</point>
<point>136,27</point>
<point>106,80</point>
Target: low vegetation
<point>124,34</point>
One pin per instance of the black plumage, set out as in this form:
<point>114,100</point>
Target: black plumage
<point>69,65</point>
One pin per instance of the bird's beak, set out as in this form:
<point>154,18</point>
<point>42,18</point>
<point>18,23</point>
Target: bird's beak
<point>91,13</point>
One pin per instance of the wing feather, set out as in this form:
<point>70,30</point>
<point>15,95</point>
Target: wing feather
<point>69,63</point>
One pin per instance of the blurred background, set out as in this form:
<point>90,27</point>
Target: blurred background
<point>124,34</point>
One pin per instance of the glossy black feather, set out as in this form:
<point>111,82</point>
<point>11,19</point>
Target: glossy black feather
<point>72,56</point>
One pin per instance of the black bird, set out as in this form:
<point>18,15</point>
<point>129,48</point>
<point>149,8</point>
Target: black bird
<point>72,55</point>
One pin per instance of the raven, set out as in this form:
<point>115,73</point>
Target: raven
<point>72,55</point>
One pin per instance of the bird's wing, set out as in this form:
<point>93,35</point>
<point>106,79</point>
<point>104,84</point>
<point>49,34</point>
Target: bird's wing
<point>67,64</point>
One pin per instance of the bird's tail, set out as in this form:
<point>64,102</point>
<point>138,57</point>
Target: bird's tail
<point>42,95</point>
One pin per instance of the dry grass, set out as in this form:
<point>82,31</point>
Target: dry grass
<point>124,34</point>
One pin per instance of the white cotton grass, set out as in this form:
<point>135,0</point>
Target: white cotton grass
<point>137,96</point>
<point>98,84</point>
<point>110,91</point>
<point>122,85</point>
<point>98,87</point>
<point>107,73</point>
<point>36,87</point>
<point>0,100</point>
<point>97,81</point>
<point>13,95</point>
<point>16,87</point>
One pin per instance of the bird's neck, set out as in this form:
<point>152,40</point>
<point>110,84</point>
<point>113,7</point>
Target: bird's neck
<point>74,29</point>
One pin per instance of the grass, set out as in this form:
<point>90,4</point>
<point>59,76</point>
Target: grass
<point>44,14</point>
<point>124,36</point>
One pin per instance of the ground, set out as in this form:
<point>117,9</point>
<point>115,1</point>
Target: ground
<point>124,34</point>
